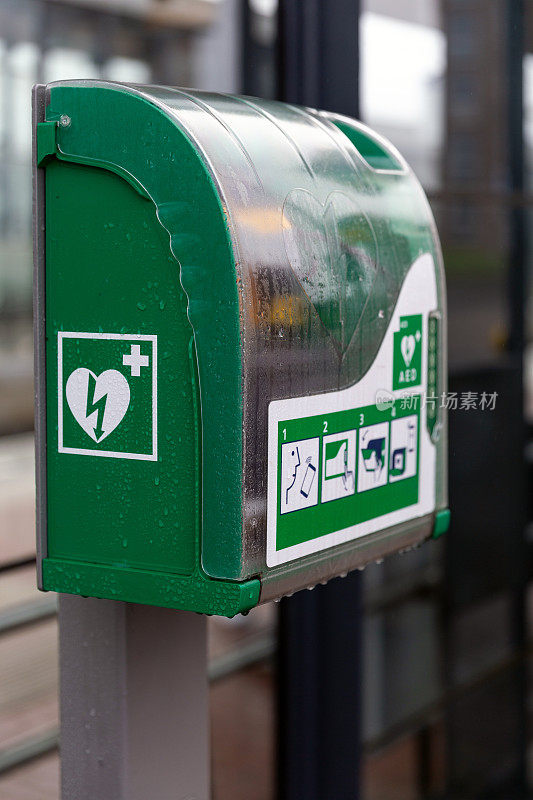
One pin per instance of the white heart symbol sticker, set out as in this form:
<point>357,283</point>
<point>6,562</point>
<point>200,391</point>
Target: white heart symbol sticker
<point>98,403</point>
<point>407,347</point>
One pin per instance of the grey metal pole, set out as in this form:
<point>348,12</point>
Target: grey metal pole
<point>134,703</point>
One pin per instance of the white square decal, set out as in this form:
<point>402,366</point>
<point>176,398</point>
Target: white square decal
<point>299,478</point>
<point>107,394</point>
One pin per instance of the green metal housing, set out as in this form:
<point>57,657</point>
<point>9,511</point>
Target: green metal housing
<point>135,237</point>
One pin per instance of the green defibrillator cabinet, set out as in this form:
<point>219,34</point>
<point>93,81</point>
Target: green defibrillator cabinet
<point>240,329</point>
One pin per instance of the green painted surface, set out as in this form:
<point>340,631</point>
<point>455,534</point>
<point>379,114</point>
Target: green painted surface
<point>442,523</point>
<point>371,150</point>
<point>46,141</point>
<point>118,511</point>
<point>123,528</point>
<point>194,593</point>
<point>161,160</point>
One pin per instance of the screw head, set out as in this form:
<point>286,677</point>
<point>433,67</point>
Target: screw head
<point>65,121</point>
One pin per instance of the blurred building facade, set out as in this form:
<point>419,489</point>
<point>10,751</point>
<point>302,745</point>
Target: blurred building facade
<point>145,41</point>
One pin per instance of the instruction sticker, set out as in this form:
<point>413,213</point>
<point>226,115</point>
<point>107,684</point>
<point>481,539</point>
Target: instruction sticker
<point>107,395</point>
<point>346,464</point>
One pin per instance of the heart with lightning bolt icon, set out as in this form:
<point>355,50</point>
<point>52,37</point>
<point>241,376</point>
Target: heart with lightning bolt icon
<point>98,403</point>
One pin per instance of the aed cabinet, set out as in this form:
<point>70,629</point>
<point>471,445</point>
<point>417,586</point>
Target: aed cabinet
<point>240,332</point>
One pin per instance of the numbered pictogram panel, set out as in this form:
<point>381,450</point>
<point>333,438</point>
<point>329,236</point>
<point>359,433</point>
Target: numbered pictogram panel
<point>372,439</point>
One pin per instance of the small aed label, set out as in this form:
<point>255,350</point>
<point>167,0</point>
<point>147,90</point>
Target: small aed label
<point>407,370</point>
<point>107,394</point>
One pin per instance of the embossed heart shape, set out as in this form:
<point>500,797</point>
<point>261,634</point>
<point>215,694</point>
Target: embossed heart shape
<point>98,403</point>
<point>407,346</point>
<point>333,252</point>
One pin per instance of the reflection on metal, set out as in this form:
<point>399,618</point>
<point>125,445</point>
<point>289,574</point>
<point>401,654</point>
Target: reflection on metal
<point>332,248</point>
